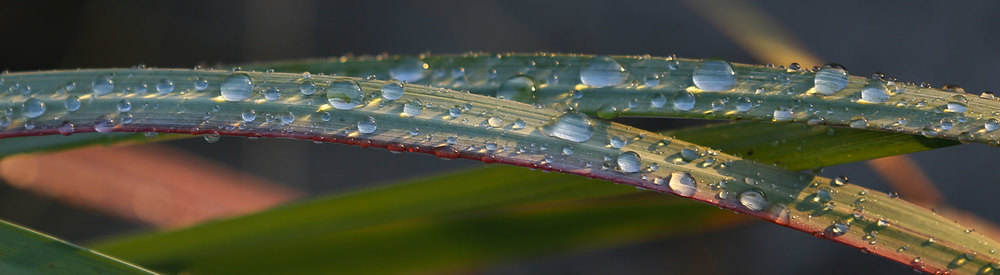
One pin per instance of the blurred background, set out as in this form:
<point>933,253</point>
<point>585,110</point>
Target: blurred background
<point>935,41</point>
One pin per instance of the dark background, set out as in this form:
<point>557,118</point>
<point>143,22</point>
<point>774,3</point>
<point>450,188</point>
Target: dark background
<point>936,41</point>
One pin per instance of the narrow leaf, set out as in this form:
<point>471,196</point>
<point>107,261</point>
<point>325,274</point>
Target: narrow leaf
<point>24,251</point>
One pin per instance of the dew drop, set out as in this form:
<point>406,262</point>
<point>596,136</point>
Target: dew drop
<point>392,90</point>
<point>249,115</point>
<point>874,92</point>
<point>652,80</point>
<point>236,88</point>
<point>682,184</point>
<point>575,127</point>
<point>991,125</point>
<point>72,103</point>
<point>658,101</point>
<point>957,104</point>
<point>743,104</point>
<point>165,86</point>
<point>287,118</point>
<point>344,94</point>
<point>495,122</point>
<point>518,124</point>
<point>753,200</point>
<point>782,114</point>
<point>272,94</point>
<point>211,138</point>
<point>840,181</point>
<point>124,106</point>
<point>629,162</point>
<point>684,101</point>
<point>102,85</point>
<point>201,84</point>
<point>104,124</point>
<point>409,69</point>
<point>617,142</point>
<point>603,71</point>
<point>830,79</point>
<point>367,125</point>
<point>714,76</point>
<point>455,112</point>
<point>67,128</point>
<point>567,151</point>
<point>33,108</point>
<point>413,108</point>
<point>838,229</point>
<point>518,88</point>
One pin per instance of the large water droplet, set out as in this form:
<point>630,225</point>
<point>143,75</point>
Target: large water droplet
<point>991,125</point>
<point>603,71</point>
<point>875,92</point>
<point>684,101</point>
<point>575,127</point>
<point>392,90</point>
<point>682,184</point>
<point>165,86</point>
<point>830,80</point>
<point>72,103</point>
<point>307,88</point>
<point>102,85</point>
<point>629,162</point>
<point>409,69</point>
<point>957,104</point>
<point>753,200</point>
<point>367,125</point>
<point>236,88</point>
<point>714,76</point>
<point>272,94</point>
<point>344,94</point>
<point>518,88</point>
<point>782,114</point>
<point>33,108</point>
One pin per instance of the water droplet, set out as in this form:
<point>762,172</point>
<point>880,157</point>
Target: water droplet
<point>629,162</point>
<point>858,122</point>
<point>603,71</point>
<point>495,122</point>
<point>518,88</point>
<point>838,229</point>
<point>367,125</point>
<point>413,108</point>
<point>165,86</point>
<point>575,127</point>
<point>102,85</point>
<point>409,69</point>
<point>272,94</point>
<point>840,181</point>
<point>392,90</point>
<point>991,125</point>
<point>658,101</point>
<point>72,103</point>
<point>782,114</point>
<point>607,112</point>
<point>957,104</point>
<point>684,101</point>
<point>617,142</point>
<point>67,128</point>
<point>455,112</point>
<point>743,104</point>
<point>682,184</point>
<point>124,106</point>
<point>518,124</point>
<point>830,80</point>
<point>249,115</point>
<point>104,124</point>
<point>753,199</point>
<point>325,116</point>
<point>344,94</point>
<point>201,84</point>
<point>714,76</point>
<point>211,138</point>
<point>236,88</point>
<point>874,92</point>
<point>567,151</point>
<point>33,108</point>
<point>287,118</point>
<point>652,80</point>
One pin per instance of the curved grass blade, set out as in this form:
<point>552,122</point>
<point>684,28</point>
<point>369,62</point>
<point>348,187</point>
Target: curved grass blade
<point>25,251</point>
<point>610,86</point>
<point>434,225</point>
<point>800,147</point>
<point>11,146</point>
<point>373,113</point>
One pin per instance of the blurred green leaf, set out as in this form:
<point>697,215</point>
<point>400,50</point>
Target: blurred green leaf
<point>33,144</point>
<point>456,222</point>
<point>798,147</point>
<point>25,251</point>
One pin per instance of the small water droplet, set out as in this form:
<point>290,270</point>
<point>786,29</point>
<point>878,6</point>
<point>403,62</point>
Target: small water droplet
<point>413,108</point>
<point>743,104</point>
<point>67,128</point>
<point>567,151</point>
<point>658,101</point>
<point>991,125</point>
<point>201,84</point>
<point>684,101</point>
<point>72,103</point>
<point>367,125</point>
<point>518,88</point>
<point>629,162</point>
<point>211,138</point>
<point>102,85</point>
<point>575,127</point>
<point>652,80</point>
<point>874,92</point>
<point>714,76</point>
<point>617,142</point>
<point>249,115</point>
<point>838,229</point>
<point>518,124</point>
<point>272,94</point>
<point>603,71</point>
<point>236,88</point>
<point>840,181</point>
<point>495,122</point>
<point>682,184</point>
<point>325,116</point>
<point>287,118</point>
<point>782,114</point>
<point>104,124</point>
<point>344,94</point>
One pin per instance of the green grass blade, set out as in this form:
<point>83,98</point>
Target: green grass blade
<point>651,86</point>
<point>427,226</point>
<point>799,147</point>
<point>25,251</point>
<point>18,145</point>
<point>462,125</point>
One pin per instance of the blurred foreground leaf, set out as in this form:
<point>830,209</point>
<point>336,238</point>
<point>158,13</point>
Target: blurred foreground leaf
<point>25,251</point>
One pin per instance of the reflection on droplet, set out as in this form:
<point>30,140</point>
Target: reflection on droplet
<point>575,127</point>
<point>344,94</point>
<point>629,162</point>
<point>367,125</point>
<point>236,88</point>
<point>683,184</point>
<point>603,71</point>
<point>714,76</point>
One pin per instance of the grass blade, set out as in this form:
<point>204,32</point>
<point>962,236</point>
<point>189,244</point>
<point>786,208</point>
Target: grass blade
<point>29,252</point>
<point>450,124</point>
<point>656,86</point>
<point>433,225</point>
